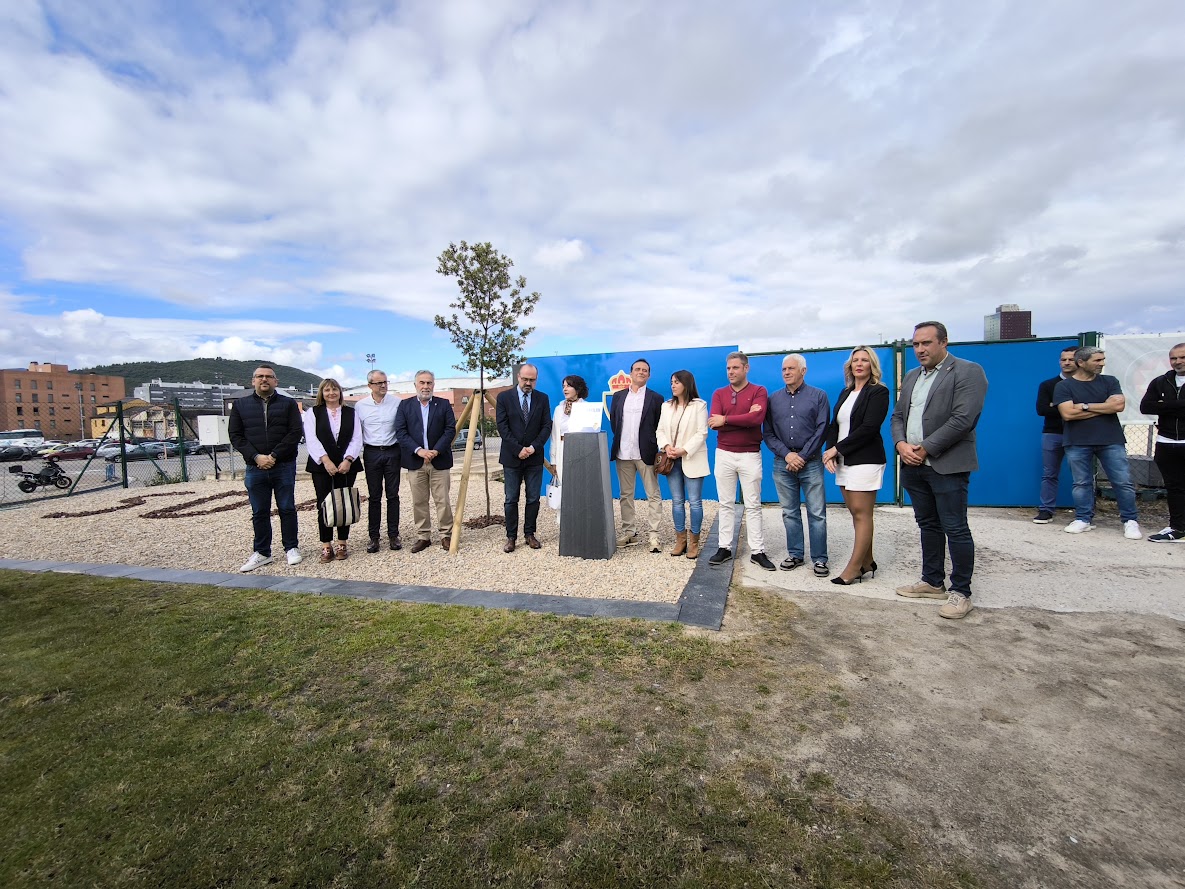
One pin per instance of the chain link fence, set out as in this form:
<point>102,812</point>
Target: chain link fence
<point>129,460</point>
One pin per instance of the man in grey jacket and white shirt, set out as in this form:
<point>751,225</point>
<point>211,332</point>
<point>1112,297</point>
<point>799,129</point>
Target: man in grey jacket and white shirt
<point>933,425</point>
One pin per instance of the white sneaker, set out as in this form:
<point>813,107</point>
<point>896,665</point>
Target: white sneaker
<point>1131,530</point>
<point>255,561</point>
<point>1078,526</point>
<point>293,556</point>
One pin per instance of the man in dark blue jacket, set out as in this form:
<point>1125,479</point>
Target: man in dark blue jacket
<point>524,422</point>
<point>265,428</point>
<point>633,420</point>
<point>425,428</point>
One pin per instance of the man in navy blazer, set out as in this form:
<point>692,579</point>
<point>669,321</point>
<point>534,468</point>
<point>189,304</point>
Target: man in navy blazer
<point>524,423</point>
<point>425,428</point>
<point>933,425</point>
<point>633,419</point>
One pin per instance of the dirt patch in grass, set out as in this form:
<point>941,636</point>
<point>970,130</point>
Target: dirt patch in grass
<point>1046,746</point>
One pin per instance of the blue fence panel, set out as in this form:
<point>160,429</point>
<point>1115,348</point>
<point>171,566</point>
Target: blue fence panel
<point>706,365</point>
<point>1008,436</point>
<point>825,370</point>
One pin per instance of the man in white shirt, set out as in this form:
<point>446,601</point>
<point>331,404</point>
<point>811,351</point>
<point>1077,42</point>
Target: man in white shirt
<point>380,458</point>
<point>633,419</point>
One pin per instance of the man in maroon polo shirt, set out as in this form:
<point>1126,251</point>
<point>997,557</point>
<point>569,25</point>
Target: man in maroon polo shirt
<point>737,413</point>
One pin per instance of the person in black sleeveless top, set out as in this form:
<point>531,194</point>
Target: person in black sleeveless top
<point>333,436</point>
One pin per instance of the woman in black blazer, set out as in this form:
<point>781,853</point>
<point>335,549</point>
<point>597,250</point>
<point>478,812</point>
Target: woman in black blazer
<point>333,436</point>
<point>856,453</point>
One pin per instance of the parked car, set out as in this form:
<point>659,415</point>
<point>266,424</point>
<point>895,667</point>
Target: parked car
<point>137,452</point>
<point>463,437</point>
<point>106,450</point>
<point>188,446</point>
<point>16,452</point>
<point>73,452</point>
<point>47,446</point>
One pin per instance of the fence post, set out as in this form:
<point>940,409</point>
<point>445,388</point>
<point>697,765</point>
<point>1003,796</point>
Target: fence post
<point>180,438</point>
<point>123,448</point>
<point>898,378</point>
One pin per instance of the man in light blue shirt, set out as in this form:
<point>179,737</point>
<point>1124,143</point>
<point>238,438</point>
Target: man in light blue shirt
<point>794,429</point>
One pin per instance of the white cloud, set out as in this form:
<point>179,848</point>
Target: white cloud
<point>771,173</point>
<point>559,254</point>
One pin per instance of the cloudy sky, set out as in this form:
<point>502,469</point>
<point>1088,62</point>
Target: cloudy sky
<point>276,179</point>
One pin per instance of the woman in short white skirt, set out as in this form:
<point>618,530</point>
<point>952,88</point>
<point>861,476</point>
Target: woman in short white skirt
<point>856,454</point>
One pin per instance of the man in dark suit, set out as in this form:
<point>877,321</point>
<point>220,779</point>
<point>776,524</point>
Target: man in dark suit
<point>524,423</point>
<point>934,427</point>
<point>425,428</point>
<point>633,418</point>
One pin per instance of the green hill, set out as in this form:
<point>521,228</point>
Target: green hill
<point>203,370</point>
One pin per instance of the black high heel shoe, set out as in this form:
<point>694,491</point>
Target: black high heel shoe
<point>843,582</point>
<point>871,569</point>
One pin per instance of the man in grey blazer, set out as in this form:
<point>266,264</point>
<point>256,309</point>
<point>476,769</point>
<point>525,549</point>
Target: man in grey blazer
<point>933,425</point>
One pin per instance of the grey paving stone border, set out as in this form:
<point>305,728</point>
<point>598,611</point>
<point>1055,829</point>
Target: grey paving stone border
<point>701,603</point>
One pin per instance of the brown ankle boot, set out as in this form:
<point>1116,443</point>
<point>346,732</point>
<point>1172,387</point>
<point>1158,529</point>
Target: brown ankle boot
<point>680,543</point>
<point>693,543</point>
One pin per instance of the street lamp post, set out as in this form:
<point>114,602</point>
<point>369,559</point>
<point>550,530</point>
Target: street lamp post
<point>81,418</point>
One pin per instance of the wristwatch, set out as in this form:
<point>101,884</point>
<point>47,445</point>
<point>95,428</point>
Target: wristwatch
<point>1084,406</point>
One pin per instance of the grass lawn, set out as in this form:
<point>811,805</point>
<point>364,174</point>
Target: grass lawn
<point>176,736</point>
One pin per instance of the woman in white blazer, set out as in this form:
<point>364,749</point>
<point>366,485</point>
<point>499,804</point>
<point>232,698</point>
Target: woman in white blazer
<point>682,435</point>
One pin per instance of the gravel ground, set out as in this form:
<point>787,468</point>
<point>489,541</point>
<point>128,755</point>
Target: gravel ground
<point>99,527</point>
<point>1017,563</point>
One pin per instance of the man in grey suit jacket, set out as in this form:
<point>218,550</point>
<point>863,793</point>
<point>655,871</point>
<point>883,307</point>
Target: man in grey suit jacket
<point>933,425</point>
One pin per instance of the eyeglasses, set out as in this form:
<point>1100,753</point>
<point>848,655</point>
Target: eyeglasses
<point>377,383</point>
<point>264,377</point>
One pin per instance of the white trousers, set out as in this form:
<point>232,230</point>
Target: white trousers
<point>745,468</point>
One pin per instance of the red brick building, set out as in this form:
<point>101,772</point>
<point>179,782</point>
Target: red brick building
<point>50,398</point>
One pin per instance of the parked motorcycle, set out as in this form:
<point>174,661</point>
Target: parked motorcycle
<point>49,474</point>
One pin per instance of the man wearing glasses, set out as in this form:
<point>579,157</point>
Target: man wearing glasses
<point>524,422</point>
<point>380,458</point>
<point>265,428</point>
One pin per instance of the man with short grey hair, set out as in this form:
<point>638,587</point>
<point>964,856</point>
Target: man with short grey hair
<point>425,428</point>
<point>795,426</point>
<point>380,459</point>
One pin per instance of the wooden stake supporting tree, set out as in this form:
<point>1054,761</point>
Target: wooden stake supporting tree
<point>489,338</point>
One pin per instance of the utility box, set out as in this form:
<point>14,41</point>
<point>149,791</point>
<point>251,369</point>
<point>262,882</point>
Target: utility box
<point>213,431</point>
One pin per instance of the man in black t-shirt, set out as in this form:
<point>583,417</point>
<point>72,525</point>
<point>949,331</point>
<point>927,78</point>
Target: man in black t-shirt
<point>1052,449</point>
<point>1090,404</point>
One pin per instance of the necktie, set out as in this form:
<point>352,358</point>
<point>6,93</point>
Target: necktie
<point>526,408</point>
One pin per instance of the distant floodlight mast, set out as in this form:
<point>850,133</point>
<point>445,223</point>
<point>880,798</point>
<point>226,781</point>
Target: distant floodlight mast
<point>370,359</point>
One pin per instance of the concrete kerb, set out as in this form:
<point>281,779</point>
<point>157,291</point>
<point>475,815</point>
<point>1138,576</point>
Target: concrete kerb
<point>701,604</point>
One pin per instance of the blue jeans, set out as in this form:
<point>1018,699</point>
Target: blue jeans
<point>940,509</point>
<point>1051,467</point>
<point>261,484</point>
<point>793,487</point>
<point>1114,462</point>
<point>513,478</point>
<point>689,491</point>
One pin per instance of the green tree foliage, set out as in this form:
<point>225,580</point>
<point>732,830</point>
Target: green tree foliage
<point>485,323</point>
